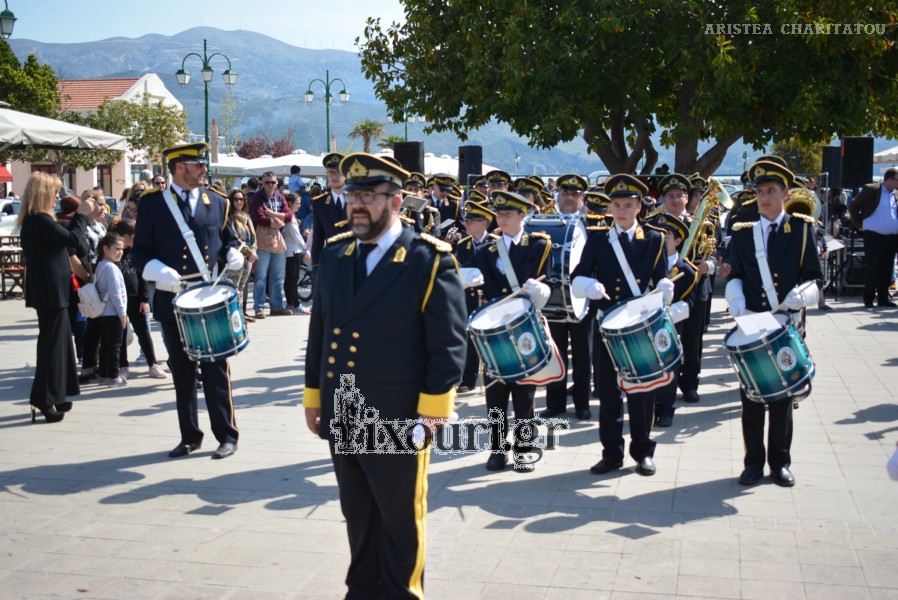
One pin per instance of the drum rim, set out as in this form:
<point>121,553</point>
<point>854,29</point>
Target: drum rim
<point>655,314</point>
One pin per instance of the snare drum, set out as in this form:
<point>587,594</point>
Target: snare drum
<point>644,348</point>
<point>568,240</point>
<point>509,338</point>
<point>773,365</point>
<point>210,322</point>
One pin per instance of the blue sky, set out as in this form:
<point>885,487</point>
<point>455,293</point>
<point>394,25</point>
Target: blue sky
<point>314,24</point>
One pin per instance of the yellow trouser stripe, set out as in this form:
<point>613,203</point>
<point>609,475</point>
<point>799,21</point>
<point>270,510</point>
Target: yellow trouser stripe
<point>415,583</point>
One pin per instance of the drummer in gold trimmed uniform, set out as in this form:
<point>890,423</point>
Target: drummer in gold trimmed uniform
<point>685,288</point>
<point>601,277</point>
<point>388,344</point>
<point>571,188</point>
<point>164,257</point>
<point>791,261</point>
<point>477,220</point>
<point>530,256</point>
<point>329,208</point>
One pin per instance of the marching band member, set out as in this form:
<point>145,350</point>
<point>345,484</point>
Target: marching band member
<point>477,219</point>
<point>441,188</point>
<point>497,180</point>
<point>596,205</point>
<point>617,259</point>
<point>479,184</point>
<point>530,256</point>
<point>570,205</point>
<point>329,208</point>
<point>369,277</point>
<point>760,280</point>
<point>530,188</point>
<point>685,289</point>
<point>162,258</point>
<point>674,189</point>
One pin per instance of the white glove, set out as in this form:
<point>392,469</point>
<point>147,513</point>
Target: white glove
<point>737,307</point>
<point>539,292</point>
<point>679,311</point>
<point>587,287</point>
<point>470,277</point>
<point>234,259</point>
<point>796,300</point>
<point>166,278</point>
<point>667,289</point>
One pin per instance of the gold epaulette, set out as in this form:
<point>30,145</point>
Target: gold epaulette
<point>439,244</point>
<point>340,237</point>
<point>805,218</point>
<point>743,225</point>
<point>542,235</point>
<point>599,228</point>
<point>462,241</point>
<point>342,223</point>
<point>320,196</point>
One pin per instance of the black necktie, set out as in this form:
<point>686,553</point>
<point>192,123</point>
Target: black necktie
<point>185,205</point>
<point>625,240</point>
<point>361,264</point>
<point>770,231</point>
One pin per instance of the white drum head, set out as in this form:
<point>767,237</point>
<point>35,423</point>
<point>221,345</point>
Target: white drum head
<point>203,296</point>
<point>620,318</point>
<point>737,339</point>
<point>491,317</point>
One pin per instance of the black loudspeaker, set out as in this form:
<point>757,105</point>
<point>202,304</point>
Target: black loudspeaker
<point>410,155</point>
<point>832,164</point>
<point>857,161</point>
<point>470,162</point>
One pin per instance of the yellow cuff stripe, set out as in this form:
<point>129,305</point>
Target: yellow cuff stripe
<point>436,405</point>
<point>311,397</point>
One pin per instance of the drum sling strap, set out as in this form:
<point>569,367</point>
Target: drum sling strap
<point>506,264</point>
<point>614,239</point>
<point>764,267</point>
<point>187,234</point>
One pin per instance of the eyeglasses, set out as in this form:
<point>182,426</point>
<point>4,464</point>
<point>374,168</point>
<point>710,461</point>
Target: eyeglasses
<point>240,199</point>
<point>365,197</point>
<point>269,182</point>
<point>158,183</point>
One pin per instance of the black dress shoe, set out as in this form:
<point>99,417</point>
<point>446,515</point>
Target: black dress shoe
<point>690,396</point>
<point>549,413</point>
<point>584,414</point>
<point>49,412</point>
<point>886,304</point>
<point>183,449</point>
<point>606,466</point>
<point>783,476</point>
<point>497,461</point>
<point>750,476</point>
<point>225,450</point>
<point>663,421</point>
<point>868,304</point>
<point>646,467</point>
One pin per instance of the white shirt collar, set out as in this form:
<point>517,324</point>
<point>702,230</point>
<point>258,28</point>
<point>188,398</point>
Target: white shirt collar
<point>486,234</point>
<point>765,222</point>
<point>516,239</point>
<point>629,232</point>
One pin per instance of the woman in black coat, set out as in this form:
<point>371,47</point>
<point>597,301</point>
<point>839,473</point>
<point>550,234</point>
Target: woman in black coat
<point>47,246</point>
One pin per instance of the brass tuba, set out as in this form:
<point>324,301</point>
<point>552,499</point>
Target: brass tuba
<point>804,201</point>
<point>702,240</point>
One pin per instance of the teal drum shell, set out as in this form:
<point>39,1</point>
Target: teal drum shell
<point>509,338</point>
<point>643,351</point>
<point>210,321</point>
<point>772,366</point>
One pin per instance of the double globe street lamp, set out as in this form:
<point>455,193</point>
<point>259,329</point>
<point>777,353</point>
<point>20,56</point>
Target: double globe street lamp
<point>229,76</point>
<point>328,98</point>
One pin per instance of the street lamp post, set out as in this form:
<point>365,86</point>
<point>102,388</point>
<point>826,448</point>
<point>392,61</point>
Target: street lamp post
<point>229,76</point>
<point>7,21</point>
<point>328,98</point>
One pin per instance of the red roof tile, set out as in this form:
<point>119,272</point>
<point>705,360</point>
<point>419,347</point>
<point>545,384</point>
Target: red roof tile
<point>86,94</point>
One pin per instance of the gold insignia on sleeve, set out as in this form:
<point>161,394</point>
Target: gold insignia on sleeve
<point>400,255</point>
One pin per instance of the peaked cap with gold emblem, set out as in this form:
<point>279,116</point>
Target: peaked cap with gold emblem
<point>364,171</point>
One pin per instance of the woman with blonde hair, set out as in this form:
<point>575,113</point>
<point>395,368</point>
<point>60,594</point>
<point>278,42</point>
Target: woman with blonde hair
<point>48,281</point>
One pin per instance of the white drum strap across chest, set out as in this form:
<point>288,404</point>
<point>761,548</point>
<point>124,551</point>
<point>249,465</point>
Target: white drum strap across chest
<point>764,266</point>
<point>614,239</point>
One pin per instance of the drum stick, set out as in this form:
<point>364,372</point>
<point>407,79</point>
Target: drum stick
<point>659,289</point>
<point>217,279</point>
<point>801,290</point>
<point>516,292</point>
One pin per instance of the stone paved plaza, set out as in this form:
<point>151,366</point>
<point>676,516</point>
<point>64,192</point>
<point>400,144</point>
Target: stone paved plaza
<point>92,507</point>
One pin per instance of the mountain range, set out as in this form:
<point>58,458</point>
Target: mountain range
<point>273,76</point>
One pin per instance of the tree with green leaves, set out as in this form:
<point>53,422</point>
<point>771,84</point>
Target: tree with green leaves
<point>623,75</point>
<point>802,157</point>
<point>28,87</point>
<point>368,130</point>
<point>390,141</point>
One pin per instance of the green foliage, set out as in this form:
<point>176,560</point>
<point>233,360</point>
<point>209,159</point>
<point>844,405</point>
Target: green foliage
<point>367,130</point>
<point>802,157</point>
<point>390,141</point>
<point>615,73</point>
<point>28,87</point>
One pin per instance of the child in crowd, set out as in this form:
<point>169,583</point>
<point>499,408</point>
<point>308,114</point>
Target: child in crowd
<point>111,289</point>
<point>296,250</point>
